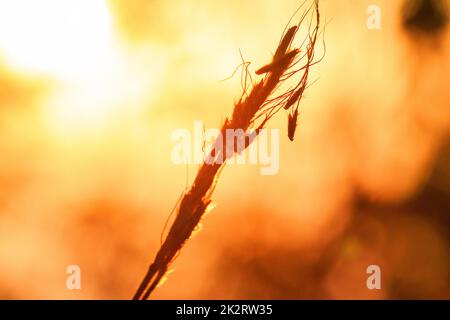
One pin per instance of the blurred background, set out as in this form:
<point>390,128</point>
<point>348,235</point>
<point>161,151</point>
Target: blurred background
<point>91,90</point>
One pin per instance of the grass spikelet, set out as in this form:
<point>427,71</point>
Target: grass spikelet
<point>251,112</point>
<point>294,98</point>
<point>285,43</point>
<point>276,63</point>
<point>292,124</point>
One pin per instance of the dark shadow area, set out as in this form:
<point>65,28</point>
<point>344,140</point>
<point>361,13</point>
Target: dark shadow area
<point>429,17</point>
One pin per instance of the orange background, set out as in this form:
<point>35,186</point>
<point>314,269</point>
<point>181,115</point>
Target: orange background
<point>90,91</point>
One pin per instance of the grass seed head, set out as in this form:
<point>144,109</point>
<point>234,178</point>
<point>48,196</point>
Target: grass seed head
<point>278,63</point>
<point>285,43</point>
<point>292,124</point>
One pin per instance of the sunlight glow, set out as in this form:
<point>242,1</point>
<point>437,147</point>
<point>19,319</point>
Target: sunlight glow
<point>75,43</point>
<point>91,104</point>
<point>62,38</point>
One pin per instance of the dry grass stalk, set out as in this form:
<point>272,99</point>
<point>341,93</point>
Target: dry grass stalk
<point>252,111</point>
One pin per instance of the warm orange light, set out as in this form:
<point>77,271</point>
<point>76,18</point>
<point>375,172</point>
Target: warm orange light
<point>62,38</point>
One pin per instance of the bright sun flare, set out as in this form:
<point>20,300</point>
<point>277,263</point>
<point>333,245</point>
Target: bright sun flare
<point>62,38</point>
<point>74,42</point>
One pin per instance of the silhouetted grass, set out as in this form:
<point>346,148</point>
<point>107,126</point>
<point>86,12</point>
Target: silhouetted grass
<point>254,108</point>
